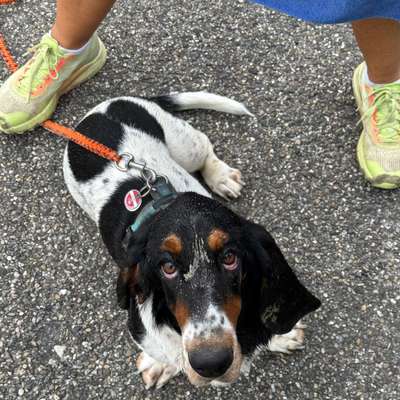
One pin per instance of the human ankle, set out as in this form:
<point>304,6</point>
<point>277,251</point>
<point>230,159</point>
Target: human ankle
<point>70,43</point>
<point>382,77</point>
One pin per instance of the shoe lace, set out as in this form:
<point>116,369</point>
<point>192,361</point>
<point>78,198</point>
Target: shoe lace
<point>45,58</point>
<point>386,105</point>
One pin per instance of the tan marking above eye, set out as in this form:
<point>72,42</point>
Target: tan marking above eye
<point>173,244</point>
<point>181,312</point>
<point>232,307</point>
<point>217,239</point>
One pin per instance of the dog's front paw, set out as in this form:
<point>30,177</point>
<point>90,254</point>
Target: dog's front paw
<point>293,340</point>
<point>222,179</point>
<point>153,372</point>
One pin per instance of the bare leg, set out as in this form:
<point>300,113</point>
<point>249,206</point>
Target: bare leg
<point>76,20</point>
<point>379,41</point>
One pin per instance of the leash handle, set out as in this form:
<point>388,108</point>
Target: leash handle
<point>89,144</point>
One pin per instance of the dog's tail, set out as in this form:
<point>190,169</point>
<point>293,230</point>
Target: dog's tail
<point>202,100</point>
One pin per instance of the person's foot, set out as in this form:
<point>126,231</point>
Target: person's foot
<point>30,95</point>
<point>378,149</point>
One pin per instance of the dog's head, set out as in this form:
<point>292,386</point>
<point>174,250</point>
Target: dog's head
<point>217,279</point>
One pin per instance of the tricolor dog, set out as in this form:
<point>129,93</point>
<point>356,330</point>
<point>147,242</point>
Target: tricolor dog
<point>204,287</point>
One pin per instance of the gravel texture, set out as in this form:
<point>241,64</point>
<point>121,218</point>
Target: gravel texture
<point>62,335</point>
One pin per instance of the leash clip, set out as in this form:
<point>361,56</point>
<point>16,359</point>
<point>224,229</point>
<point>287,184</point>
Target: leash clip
<point>124,162</point>
<point>150,176</point>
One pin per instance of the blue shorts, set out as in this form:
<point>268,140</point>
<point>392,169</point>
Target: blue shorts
<point>335,11</point>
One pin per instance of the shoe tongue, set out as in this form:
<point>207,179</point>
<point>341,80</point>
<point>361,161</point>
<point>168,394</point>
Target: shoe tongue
<point>51,42</point>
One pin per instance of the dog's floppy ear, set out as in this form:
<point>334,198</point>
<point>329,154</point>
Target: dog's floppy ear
<point>129,285</point>
<point>130,281</point>
<point>283,300</point>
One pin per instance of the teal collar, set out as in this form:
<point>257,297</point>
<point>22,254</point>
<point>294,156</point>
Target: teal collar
<point>163,194</point>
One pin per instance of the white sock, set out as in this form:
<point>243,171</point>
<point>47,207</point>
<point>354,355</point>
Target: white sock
<point>368,82</point>
<point>73,51</point>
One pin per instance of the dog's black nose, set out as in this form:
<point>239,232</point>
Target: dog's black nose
<point>211,363</point>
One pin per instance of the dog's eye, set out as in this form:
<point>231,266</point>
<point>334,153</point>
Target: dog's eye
<point>169,269</point>
<point>230,261</point>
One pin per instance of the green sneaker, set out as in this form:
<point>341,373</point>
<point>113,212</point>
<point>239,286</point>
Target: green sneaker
<point>30,95</point>
<point>378,149</point>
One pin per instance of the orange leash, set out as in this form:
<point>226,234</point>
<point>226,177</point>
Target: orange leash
<point>89,144</point>
<point>60,130</point>
<point>8,58</point>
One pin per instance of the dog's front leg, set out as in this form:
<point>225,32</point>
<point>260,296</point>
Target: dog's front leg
<point>155,373</point>
<point>291,341</point>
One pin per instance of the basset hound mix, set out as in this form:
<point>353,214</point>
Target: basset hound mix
<point>204,287</point>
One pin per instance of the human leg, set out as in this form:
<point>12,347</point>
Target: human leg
<point>379,42</point>
<point>77,20</point>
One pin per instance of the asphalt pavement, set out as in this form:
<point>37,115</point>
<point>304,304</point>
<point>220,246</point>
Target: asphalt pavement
<point>62,335</point>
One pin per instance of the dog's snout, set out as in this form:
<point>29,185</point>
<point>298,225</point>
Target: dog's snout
<point>211,363</point>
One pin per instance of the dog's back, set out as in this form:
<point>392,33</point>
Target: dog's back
<point>146,129</point>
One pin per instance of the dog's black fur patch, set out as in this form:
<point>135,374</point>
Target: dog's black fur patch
<point>85,165</point>
<point>115,219</point>
<point>273,299</point>
<point>136,116</point>
<point>107,129</point>
<point>166,102</point>
<point>135,324</point>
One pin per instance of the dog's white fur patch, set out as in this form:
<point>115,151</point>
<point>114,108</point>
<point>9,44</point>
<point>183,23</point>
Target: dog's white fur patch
<point>209,101</point>
<point>291,341</point>
<point>200,257</point>
<point>214,319</point>
<point>153,372</point>
<point>160,343</point>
